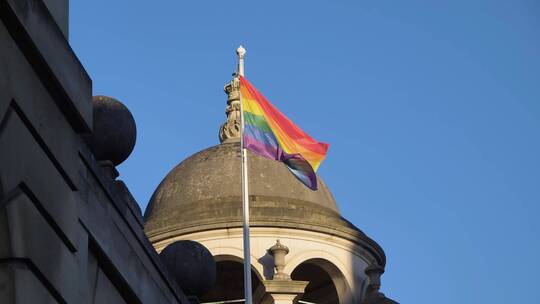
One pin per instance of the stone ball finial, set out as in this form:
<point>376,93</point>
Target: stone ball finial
<point>115,133</point>
<point>192,265</point>
<point>241,51</point>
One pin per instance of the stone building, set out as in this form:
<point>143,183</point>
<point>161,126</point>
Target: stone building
<point>328,260</point>
<point>70,231</point>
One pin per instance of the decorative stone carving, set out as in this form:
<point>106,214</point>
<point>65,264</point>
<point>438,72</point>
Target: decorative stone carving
<point>231,128</point>
<point>373,295</point>
<point>279,251</point>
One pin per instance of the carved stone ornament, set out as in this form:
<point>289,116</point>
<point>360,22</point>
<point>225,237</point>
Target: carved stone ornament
<point>279,251</point>
<point>373,295</point>
<point>231,128</point>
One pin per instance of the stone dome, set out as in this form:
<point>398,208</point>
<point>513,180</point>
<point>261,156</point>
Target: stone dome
<point>204,192</point>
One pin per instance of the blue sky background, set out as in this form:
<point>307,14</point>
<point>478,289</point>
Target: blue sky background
<point>432,110</point>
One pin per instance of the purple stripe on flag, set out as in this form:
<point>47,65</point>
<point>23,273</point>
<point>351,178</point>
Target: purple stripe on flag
<point>266,145</point>
<point>298,166</point>
<point>260,148</point>
<point>266,138</point>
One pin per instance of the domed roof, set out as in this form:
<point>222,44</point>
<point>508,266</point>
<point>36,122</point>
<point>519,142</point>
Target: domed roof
<point>215,173</point>
<point>204,192</point>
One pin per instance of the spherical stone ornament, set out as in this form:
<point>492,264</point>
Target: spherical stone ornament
<point>192,265</point>
<point>114,132</point>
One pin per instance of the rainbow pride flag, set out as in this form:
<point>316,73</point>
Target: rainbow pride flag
<point>269,133</point>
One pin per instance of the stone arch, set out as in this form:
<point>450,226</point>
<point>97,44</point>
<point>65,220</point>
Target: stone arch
<point>237,259</point>
<point>328,283</point>
<point>298,259</point>
<point>237,255</point>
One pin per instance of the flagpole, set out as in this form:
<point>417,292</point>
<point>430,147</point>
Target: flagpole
<point>245,190</point>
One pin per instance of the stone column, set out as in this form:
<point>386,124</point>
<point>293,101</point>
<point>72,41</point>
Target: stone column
<point>283,292</point>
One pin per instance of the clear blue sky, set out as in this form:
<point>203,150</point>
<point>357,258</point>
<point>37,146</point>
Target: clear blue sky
<point>431,108</point>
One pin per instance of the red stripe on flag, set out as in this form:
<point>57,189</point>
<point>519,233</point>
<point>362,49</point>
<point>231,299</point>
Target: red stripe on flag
<point>291,130</point>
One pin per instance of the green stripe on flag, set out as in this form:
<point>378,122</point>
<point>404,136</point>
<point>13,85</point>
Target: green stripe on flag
<point>257,121</point>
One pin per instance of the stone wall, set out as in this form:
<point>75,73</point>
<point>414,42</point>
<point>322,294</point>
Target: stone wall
<point>69,233</point>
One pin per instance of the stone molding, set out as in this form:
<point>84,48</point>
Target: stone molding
<point>282,292</point>
<point>332,226</point>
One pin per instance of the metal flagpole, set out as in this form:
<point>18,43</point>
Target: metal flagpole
<point>245,190</point>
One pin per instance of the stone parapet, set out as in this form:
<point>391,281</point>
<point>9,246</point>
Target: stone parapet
<point>70,232</point>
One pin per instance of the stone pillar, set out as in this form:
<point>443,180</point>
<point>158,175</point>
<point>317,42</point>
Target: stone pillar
<point>283,291</point>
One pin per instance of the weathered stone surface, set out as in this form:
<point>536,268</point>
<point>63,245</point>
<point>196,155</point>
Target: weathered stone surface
<point>100,287</point>
<point>59,9</point>
<point>282,292</point>
<point>214,174</point>
<point>119,245</point>
<point>204,192</point>
<point>132,205</point>
<point>230,130</point>
<point>22,90</point>
<point>16,273</point>
<point>36,176</point>
<point>33,239</point>
<point>192,265</point>
<point>45,46</point>
<point>373,295</point>
<point>115,133</point>
<point>69,232</point>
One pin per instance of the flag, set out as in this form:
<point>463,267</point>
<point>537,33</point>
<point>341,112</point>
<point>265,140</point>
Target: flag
<point>270,134</point>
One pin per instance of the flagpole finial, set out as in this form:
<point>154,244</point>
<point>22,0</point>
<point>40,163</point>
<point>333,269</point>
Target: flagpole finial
<point>240,51</point>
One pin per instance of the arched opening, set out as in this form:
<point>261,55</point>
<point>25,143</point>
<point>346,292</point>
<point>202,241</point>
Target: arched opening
<point>326,283</point>
<point>229,287</point>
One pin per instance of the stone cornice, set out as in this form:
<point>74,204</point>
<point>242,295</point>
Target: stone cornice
<point>223,215</point>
